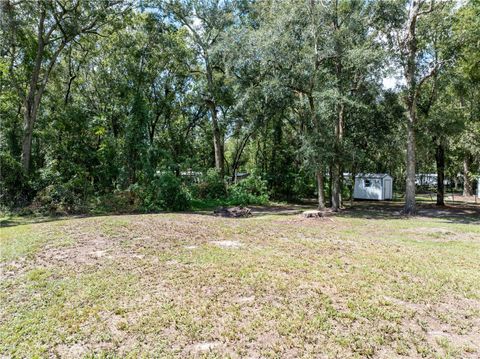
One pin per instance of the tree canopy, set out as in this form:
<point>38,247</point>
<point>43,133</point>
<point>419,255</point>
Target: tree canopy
<point>154,104</point>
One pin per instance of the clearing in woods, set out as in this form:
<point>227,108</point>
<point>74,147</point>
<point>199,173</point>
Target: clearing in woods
<point>364,283</point>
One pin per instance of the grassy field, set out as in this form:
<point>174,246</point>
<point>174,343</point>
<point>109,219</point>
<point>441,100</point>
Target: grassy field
<point>364,283</point>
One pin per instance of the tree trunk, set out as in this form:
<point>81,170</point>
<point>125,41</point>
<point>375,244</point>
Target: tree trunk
<point>330,183</point>
<point>336,170</point>
<point>320,189</point>
<point>36,89</point>
<point>410,204</point>
<point>352,183</point>
<point>32,100</point>
<point>467,181</point>
<point>217,140</point>
<point>319,173</point>
<point>238,155</point>
<point>440,159</point>
<point>335,187</point>
<point>217,135</point>
<point>410,70</point>
<point>29,119</point>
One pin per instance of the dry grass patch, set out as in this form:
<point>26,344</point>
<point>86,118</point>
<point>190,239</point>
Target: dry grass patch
<point>275,285</point>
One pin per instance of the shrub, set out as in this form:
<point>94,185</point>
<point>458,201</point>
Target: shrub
<point>61,186</point>
<point>57,198</point>
<point>11,180</point>
<point>165,192</point>
<point>304,185</point>
<point>252,190</point>
<point>119,201</point>
<point>212,186</point>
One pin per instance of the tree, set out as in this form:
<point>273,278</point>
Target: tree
<point>323,55</point>
<point>289,90</point>
<point>436,112</point>
<point>206,22</point>
<point>417,68</point>
<point>467,33</point>
<point>48,27</point>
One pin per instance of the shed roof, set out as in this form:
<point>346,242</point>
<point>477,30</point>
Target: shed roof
<point>372,175</point>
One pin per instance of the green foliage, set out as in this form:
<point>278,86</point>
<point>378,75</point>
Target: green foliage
<point>211,186</point>
<point>119,201</point>
<point>304,185</point>
<point>165,192</point>
<point>144,95</point>
<point>57,198</point>
<point>11,181</point>
<point>62,186</point>
<point>252,190</point>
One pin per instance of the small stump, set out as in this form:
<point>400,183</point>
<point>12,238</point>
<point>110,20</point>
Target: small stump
<point>313,214</point>
<point>232,212</point>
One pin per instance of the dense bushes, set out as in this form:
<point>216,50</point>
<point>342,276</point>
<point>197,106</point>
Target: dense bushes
<point>11,181</point>
<point>118,201</point>
<point>252,190</point>
<point>165,192</point>
<point>53,193</point>
<point>211,186</point>
<point>61,187</point>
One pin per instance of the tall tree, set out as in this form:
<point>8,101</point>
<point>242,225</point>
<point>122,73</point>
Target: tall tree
<point>435,113</point>
<point>417,68</point>
<point>48,27</point>
<point>354,66</point>
<point>207,21</point>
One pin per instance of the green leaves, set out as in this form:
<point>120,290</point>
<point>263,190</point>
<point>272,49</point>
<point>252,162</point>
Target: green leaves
<point>284,88</point>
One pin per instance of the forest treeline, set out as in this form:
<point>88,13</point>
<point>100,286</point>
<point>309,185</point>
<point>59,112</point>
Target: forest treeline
<point>150,105</point>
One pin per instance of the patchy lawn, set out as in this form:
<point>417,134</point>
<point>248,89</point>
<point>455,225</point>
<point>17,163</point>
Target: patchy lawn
<point>365,283</point>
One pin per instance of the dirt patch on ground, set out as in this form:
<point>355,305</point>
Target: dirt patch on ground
<point>439,234</point>
<point>202,348</point>
<point>282,210</point>
<point>227,244</point>
<point>72,351</point>
<point>447,325</point>
<point>300,220</point>
<point>296,287</point>
<point>92,244</point>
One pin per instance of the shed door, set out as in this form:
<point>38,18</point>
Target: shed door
<point>387,188</point>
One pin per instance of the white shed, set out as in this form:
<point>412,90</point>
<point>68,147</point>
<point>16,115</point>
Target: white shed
<point>376,186</point>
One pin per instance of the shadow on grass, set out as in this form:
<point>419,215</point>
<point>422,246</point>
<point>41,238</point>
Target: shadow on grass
<point>376,210</point>
<point>461,213</point>
<point>18,220</point>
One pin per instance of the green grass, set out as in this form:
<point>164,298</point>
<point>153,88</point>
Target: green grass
<point>360,284</point>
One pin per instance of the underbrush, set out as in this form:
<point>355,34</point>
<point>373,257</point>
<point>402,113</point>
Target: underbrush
<point>163,192</point>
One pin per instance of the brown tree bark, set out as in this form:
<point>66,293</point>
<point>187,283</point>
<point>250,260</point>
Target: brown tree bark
<point>330,183</point>
<point>319,173</point>
<point>45,59</point>
<point>352,183</point>
<point>30,102</point>
<point>217,133</point>
<point>320,189</point>
<point>336,168</point>
<point>410,50</point>
<point>339,124</point>
<point>217,140</point>
<point>34,96</point>
<point>467,181</point>
<point>440,160</point>
<point>238,155</point>
<point>410,207</point>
